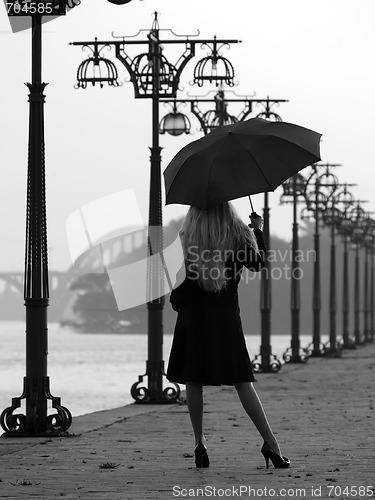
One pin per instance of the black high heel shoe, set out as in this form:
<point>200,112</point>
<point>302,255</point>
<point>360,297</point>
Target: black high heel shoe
<point>201,456</point>
<point>277,461</point>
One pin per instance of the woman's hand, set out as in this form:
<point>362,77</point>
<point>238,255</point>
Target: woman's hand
<point>256,221</point>
<point>175,308</point>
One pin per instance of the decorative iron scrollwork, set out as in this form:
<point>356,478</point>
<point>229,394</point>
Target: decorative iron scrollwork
<point>267,112</point>
<point>273,365</point>
<point>14,423</point>
<point>172,394</point>
<point>139,394</point>
<point>18,425</point>
<point>142,394</point>
<point>62,419</point>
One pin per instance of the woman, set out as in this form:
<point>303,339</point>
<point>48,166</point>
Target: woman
<point>208,345</point>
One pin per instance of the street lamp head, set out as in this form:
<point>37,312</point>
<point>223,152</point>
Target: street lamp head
<point>215,119</point>
<point>307,215</point>
<point>294,186</point>
<point>293,189</point>
<point>332,216</point>
<point>149,67</point>
<point>96,69</point>
<point>345,227</point>
<point>214,68</point>
<point>357,235</point>
<point>175,123</point>
<point>100,71</point>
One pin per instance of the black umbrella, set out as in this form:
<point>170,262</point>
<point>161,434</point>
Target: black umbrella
<point>241,159</point>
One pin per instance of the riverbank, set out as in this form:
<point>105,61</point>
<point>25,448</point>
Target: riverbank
<point>92,372</point>
<point>322,412</point>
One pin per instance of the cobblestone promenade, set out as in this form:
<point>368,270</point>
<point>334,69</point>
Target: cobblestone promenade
<point>323,414</point>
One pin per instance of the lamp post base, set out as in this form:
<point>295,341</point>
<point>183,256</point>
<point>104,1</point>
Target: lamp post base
<point>269,364</point>
<point>154,394</point>
<point>315,350</point>
<point>291,356</point>
<point>333,349</point>
<point>36,422</point>
<point>348,344</point>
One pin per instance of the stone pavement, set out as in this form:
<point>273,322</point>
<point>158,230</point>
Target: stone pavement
<point>322,413</point>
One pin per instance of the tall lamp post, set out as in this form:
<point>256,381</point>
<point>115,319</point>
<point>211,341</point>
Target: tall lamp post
<point>266,361</point>
<point>365,293</point>
<point>368,224</point>
<point>344,228</point>
<point>320,186</point>
<point>36,387</point>
<point>357,215</point>
<point>294,189</point>
<point>371,245</point>
<point>154,77</point>
<point>333,216</point>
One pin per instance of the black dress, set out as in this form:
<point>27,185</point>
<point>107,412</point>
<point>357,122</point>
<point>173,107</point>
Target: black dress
<point>208,344</point>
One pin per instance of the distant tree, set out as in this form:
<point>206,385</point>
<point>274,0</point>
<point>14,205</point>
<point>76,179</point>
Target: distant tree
<point>96,307</point>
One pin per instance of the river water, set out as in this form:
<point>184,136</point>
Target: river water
<point>91,372</point>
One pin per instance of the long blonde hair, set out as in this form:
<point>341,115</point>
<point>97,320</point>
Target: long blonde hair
<point>208,237</point>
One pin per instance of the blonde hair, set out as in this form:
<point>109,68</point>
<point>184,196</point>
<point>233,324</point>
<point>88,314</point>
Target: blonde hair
<point>207,238</point>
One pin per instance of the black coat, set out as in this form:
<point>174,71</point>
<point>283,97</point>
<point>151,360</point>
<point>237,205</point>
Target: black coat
<point>208,344</point>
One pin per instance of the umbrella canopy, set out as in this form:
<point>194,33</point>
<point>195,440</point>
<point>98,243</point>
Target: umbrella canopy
<point>241,159</point>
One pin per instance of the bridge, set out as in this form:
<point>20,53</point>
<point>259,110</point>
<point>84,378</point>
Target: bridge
<point>113,251</point>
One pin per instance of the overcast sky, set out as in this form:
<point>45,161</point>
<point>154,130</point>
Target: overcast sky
<point>318,54</point>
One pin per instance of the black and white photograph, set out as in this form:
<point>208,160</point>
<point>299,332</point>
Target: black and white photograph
<point>187,259</point>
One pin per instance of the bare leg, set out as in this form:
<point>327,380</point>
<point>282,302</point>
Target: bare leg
<point>194,396</point>
<point>253,407</point>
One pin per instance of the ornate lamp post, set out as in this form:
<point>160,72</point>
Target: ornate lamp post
<point>337,205</point>
<point>154,77</point>
<point>371,244</point>
<point>266,361</point>
<point>294,188</point>
<point>344,228</point>
<point>357,215</point>
<point>368,224</point>
<point>320,186</point>
<point>36,388</point>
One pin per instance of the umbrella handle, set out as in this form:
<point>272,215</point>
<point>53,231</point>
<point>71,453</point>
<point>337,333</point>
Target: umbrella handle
<point>251,204</point>
<point>254,215</point>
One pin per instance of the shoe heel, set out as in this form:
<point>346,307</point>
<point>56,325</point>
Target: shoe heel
<point>266,458</point>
